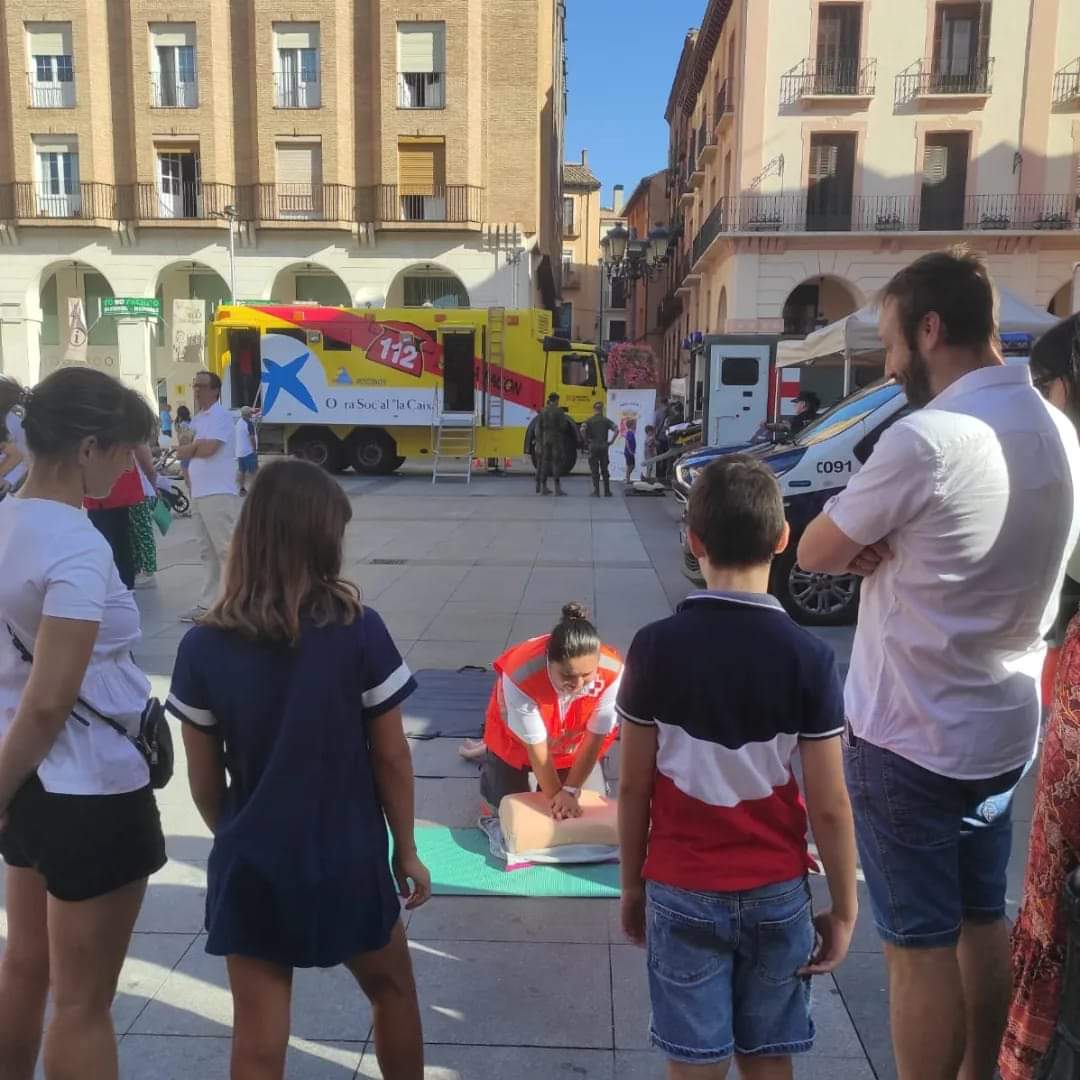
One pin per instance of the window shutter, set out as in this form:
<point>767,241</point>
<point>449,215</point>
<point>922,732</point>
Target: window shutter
<point>420,168</point>
<point>49,39</point>
<point>172,35</point>
<point>984,34</point>
<point>824,159</point>
<point>421,47</point>
<point>299,164</point>
<point>296,35</point>
<point>935,165</point>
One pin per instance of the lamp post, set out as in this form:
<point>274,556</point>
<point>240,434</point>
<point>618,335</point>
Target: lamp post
<point>629,259</point>
<point>231,216</point>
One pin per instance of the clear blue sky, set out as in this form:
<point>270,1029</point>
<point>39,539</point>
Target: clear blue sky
<point>622,56</point>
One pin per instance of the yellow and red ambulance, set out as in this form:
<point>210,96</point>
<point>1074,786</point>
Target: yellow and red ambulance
<point>367,388</point>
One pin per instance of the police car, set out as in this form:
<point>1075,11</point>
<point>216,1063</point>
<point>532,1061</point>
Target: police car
<point>811,468</point>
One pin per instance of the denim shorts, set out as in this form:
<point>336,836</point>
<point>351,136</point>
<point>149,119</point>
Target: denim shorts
<point>722,971</point>
<point>934,849</point>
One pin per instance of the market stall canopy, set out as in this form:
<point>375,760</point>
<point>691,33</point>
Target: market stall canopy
<point>858,332</point>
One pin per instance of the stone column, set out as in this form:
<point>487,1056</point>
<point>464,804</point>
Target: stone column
<point>20,345</point>
<point>133,341</point>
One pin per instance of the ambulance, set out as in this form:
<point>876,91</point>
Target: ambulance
<point>371,388</point>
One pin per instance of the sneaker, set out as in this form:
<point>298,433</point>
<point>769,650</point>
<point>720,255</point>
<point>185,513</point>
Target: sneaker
<point>194,615</point>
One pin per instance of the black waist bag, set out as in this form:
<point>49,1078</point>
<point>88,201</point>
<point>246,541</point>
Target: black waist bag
<point>154,740</point>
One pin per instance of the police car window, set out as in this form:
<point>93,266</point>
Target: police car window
<point>847,413</point>
<point>739,371</point>
<point>578,370</point>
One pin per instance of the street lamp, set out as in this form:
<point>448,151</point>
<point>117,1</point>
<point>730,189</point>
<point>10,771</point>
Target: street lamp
<point>629,259</point>
<point>230,215</point>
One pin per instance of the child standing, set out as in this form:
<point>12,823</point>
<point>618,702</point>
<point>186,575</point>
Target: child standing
<point>630,449</point>
<point>650,451</point>
<point>711,821</point>
<point>290,695</point>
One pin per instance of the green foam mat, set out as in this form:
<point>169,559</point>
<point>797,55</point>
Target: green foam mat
<point>461,864</point>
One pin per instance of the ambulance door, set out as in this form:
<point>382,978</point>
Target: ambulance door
<point>579,383</point>
<point>738,392</point>
<point>459,370</point>
<point>244,375</point>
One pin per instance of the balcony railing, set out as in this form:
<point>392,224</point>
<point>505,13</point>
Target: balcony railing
<point>931,79</point>
<point>24,201</point>
<point>808,212</point>
<point>456,203</point>
<point>421,89</point>
<point>848,76</point>
<point>301,202</point>
<point>51,95</point>
<point>1067,84</point>
<point>169,92</point>
<point>172,200</point>
<point>294,92</point>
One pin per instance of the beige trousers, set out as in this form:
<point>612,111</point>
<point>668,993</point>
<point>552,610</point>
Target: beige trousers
<point>215,518</point>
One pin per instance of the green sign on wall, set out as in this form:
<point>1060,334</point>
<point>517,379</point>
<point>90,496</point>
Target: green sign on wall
<point>131,306</point>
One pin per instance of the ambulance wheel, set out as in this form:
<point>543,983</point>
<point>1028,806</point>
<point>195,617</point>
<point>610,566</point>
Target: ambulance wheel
<point>373,452</point>
<point>320,447</point>
<point>814,599</point>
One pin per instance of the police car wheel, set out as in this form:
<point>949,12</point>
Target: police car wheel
<point>814,599</point>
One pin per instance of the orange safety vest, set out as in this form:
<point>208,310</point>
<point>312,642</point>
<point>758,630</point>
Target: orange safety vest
<point>525,665</point>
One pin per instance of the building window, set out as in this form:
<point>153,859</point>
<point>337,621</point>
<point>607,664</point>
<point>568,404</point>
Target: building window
<point>51,69</point>
<point>421,179</point>
<point>568,216</point>
<point>179,184</point>
<point>102,331</point>
<point>564,319</point>
<point>173,77</point>
<point>617,330</point>
<point>945,160</point>
<point>960,63</point>
<point>838,44</point>
<point>434,290</point>
<point>567,261</point>
<point>617,294</point>
<point>296,66</point>
<point>831,182</point>
<point>58,193</point>
<point>421,65</point>
<point>299,185</point>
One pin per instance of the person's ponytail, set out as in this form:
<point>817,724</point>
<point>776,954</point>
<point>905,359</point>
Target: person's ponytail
<point>574,635</point>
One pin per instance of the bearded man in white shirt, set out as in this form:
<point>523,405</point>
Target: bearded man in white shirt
<point>959,522</point>
<point>215,497</point>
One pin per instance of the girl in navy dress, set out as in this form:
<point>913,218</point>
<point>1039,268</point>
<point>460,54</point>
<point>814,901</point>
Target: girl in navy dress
<point>290,695</point>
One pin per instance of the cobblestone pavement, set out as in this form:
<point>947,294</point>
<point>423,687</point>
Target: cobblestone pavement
<point>510,989</point>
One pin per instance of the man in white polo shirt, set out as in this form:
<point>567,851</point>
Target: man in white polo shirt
<point>212,474</point>
<point>959,522</point>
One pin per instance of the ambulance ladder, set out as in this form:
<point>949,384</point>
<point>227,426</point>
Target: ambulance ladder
<point>453,443</point>
<point>496,343</point>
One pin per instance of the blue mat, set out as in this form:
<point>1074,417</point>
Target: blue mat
<point>448,704</point>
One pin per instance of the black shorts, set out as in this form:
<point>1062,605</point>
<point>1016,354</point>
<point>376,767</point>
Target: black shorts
<point>84,846</point>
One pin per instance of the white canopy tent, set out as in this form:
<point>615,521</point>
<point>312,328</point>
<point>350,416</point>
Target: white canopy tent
<point>858,333</point>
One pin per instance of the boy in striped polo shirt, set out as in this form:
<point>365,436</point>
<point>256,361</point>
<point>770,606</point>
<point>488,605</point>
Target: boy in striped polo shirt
<point>718,698</point>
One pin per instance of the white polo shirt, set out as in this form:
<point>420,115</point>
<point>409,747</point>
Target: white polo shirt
<point>214,475</point>
<point>975,496</point>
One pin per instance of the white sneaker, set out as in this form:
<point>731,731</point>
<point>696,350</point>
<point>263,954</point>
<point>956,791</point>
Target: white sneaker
<point>194,615</point>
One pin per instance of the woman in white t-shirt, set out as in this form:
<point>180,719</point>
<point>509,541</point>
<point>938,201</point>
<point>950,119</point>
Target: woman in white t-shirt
<point>79,827</point>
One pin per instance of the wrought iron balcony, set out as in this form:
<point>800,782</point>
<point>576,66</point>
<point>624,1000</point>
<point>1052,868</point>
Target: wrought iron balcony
<point>170,92</point>
<point>300,202</point>
<point>453,203</point>
<point>929,78</point>
<point>1067,84</point>
<point>170,200</point>
<point>848,76</point>
<point>724,108</point>
<point>421,89</point>
<point>25,201</point>
<point>50,95</point>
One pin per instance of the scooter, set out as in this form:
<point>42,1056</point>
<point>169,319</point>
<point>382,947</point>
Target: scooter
<point>171,490</point>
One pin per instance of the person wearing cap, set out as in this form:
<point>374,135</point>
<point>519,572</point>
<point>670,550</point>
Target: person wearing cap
<point>807,410</point>
<point>247,444</point>
<point>552,428</point>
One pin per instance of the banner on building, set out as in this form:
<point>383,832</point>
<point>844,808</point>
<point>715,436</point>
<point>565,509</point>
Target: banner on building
<point>631,410</point>
<point>75,347</point>
<point>189,332</point>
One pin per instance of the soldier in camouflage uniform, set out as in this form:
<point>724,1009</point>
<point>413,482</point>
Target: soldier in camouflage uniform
<point>596,431</point>
<point>552,426</point>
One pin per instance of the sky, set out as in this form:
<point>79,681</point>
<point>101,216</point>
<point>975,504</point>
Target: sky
<point>622,56</point>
